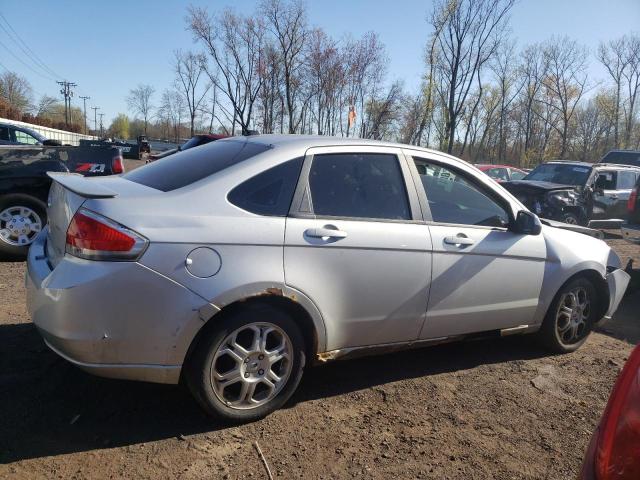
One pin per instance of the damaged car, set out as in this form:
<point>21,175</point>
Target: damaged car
<point>577,193</point>
<point>238,263</point>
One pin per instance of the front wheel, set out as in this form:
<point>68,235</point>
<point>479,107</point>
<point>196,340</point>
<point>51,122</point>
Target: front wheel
<point>22,217</point>
<point>247,366</point>
<point>571,316</point>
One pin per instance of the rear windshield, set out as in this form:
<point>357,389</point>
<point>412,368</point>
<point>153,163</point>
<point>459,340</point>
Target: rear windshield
<point>189,166</point>
<point>565,174</point>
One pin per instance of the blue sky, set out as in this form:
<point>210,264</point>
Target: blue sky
<point>109,47</point>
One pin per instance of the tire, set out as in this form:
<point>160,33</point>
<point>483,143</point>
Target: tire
<point>570,218</point>
<point>16,235</point>
<point>227,400</point>
<point>577,314</point>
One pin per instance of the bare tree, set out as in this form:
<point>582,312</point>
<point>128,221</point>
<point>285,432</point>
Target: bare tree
<point>139,100</point>
<point>565,82</point>
<point>632,78</point>
<point>15,90</point>
<point>44,105</point>
<point>532,70</point>
<point>471,33</point>
<point>613,55</point>
<point>234,44</point>
<point>287,21</point>
<point>189,67</point>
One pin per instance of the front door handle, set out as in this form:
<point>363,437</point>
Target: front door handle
<point>460,240</point>
<point>328,231</point>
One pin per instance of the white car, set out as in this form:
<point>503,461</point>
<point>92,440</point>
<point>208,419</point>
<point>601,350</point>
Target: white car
<point>233,264</point>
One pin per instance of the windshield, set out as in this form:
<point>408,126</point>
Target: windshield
<point>186,167</point>
<point>565,174</point>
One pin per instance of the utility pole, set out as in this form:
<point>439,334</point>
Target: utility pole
<point>101,127</point>
<point>95,119</point>
<point>66,91</point>
<point>84,100</point>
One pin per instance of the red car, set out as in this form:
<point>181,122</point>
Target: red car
<point>502,173</point>
<point>614,450</point>
<point>194,141</point>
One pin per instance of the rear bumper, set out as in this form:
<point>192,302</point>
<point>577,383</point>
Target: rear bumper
<point>113,319</point>
<point>631,233</point>
<point>617,282</point>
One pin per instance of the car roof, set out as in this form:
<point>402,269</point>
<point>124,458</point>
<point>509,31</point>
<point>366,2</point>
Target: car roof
<point>495,165</point>
<point>298,141</point>
<point>593,165</point>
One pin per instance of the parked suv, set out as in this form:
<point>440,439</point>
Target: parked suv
<point>578,192</point>
<point>631,228</point>
<point>622,157</point>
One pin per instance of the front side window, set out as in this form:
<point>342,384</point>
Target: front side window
<point>269,192</point>
<point>606,181</point>
<point>25,138</point>
<point>358,185</point>
<point>454,199</point>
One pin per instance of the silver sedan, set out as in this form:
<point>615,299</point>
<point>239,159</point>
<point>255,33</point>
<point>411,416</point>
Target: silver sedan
<point>232,265</point>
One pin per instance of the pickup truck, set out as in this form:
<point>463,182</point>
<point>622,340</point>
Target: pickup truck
<point>24,186</point>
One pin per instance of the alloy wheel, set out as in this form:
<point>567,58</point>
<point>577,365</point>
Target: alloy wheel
<point>251,365</point>
<point>573,312</point>
<point>19,226</point>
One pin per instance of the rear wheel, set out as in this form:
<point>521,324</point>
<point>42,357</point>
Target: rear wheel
<point>571,316</point>
<point>248,366</point>
<point>22,217</point>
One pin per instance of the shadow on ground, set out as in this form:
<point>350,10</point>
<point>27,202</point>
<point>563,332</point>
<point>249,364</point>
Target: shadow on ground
<point>48,407</point>
<point>41,395</point>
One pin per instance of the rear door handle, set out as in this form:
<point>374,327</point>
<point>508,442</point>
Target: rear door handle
<point>328,231</point>
<point>460,240</point>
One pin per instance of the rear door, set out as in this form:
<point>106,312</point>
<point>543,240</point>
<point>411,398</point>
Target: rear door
<point>355,243</point>
<point>625,182</point>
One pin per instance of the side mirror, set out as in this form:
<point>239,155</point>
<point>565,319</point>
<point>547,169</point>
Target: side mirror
<point>527,223</point>
<point>51,143</point>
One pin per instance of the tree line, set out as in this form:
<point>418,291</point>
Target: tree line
<point>481,97</point>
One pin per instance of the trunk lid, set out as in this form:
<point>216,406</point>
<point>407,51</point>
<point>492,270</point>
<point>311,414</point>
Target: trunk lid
<point>68,193</point>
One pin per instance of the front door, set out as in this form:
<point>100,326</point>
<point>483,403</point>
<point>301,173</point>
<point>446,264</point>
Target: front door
<point>355,245</point>
<point>485,277</point>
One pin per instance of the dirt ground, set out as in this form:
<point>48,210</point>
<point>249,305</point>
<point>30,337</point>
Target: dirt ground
<point>501,409</point>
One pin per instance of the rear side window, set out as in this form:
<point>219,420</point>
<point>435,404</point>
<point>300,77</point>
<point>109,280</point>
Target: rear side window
<point>626,180</point>
<point>4,134</point>
<point>358,185</point>
<point>270,192</point>
<point>189,166</point>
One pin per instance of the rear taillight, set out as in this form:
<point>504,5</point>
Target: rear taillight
<point>617,454</point>
<point>117,165</point>
<point>633,198</point>
<point>95,237</point>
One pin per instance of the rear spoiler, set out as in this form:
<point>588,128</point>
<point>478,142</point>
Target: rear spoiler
<point>574,228</point>
<point>82,185</point>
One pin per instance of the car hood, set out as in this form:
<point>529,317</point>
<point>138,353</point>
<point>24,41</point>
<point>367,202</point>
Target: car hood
<point>520,186</point>
<point>573,228</point>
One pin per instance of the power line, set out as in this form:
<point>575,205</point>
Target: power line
<point>21,43</point>
<point>25,64</point>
